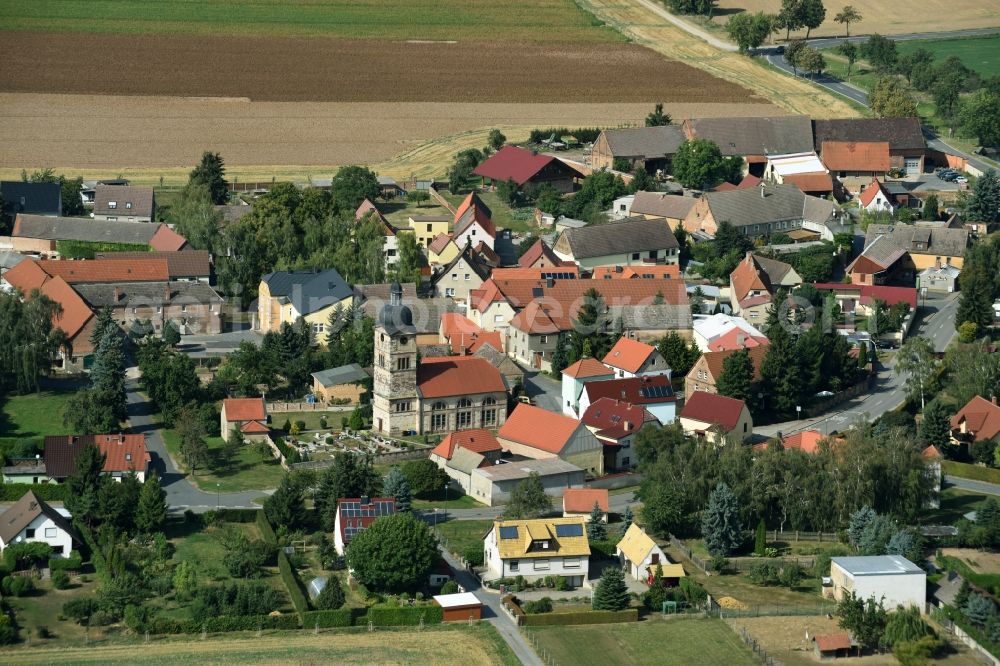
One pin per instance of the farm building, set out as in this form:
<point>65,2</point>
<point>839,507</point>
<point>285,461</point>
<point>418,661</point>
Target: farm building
<point>492,484</point>
<point>463,451</point>
<point>832,646</point>
<point>536,433</point>
<point>620,243</point>
<point>342,383</point>
<point>527,167</point>
<point>892,578</point>
<point>460,607</point>
<point>907,147</point>
<point>753,139</point>
<point>651,147</point>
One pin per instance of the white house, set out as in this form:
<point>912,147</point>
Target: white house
<point>709,328</point>
<point>356,514</point>
<point>641,555</point>
<point>32,520</point>
<point>876,198</point>
<point>538,548</point>
<point>576,376</point>
<point>579,503</point>
<point>631,358</point>
<point>892,578</point>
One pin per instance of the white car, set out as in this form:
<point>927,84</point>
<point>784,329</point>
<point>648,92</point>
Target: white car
<point>961,179</point>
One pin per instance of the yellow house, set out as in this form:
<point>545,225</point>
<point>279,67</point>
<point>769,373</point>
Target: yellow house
<point>284,296</point>
<point>428,227</point>
<point>442,250</point>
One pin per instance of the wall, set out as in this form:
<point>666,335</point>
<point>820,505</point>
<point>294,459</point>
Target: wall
<point>480,403</point>
<point>493,493</point>
<point>61,542</point>
<point>350,391</point>
<point>460,279</point>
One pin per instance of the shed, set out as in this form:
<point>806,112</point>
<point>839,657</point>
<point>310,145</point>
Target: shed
<point>316,586</point>
<point>831,646</point>
<point>460,607</point>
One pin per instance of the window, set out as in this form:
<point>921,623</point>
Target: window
<point>128,204</point>
<point>381,360</point>
<point>403,363</point>
<point>454,276</point>
<point>401,407</point>
<point>514,564</point>
<point>653,254</point>
<point>463,420</point>
<point>430,227</point>
<point>29,533</point>
<point>438,406</point>
<point>390,253</point>
<point>184,309</point>
<point>542,564</point>
<point>571,562</point>
<point>112,204</point>
<point>625,461</point>
<point>449,291</point>
<point>466,276</point>
<point>543,339</point>
<point>489,417</point>
<point>497,318</point>
<point>439,421</point>
<point>635,256</point>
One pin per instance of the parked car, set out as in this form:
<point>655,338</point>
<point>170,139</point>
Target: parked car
<point>961,179</point>
<point>948,177</point>
<point>525,399</point>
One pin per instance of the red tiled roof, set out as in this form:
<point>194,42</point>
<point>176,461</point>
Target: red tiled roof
<point>855,155</point>
<point>931,453</point>
<point>124,453</point>
<point>724,187</point>
<point>539,253</point>
<point>874,188</point>
<point>866,266</point>
<point>254,427</point>
<point>614,419</point>
<point>657,272</point>
<point>465,336</point>
<point>167,240</point>
<point>748,182</point>
<point>629,354</point>
<point>715,359</point>
<point>444,376</point>
<point>749,276</point>
<point>981,416</point>
<point>806,441</point>
<point>534,272</point>
<point>472,200</point>
<point>26,276</point>
<point>648,390</point>
<point>244,409</point>
<point>737,338</point>
<point>439,243</point>
<point>477,441</point>
<point>830,642</point>
<point>75,311</point>
<point>712,408</point>
<point>107,270</point>
<point>581,500</point>
<point>890,295</point>
<point>517,164</point>
<point>538,428</point>
<point>810,182</point>
<point>587,367</point>
<point>755,300</point>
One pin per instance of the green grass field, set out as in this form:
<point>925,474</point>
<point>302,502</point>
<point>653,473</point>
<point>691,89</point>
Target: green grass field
<point>967,471</point>
<point>249,470</point>
<point>463,534</point>
<point>655,641</point>
<point>35,414</point>
<point>981,54</point>
<point>515,20</point>
<point>452,499</point>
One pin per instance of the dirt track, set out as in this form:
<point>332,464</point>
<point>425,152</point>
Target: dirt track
<point>308,69</point>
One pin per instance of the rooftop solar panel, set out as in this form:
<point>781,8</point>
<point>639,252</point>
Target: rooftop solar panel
<point>572,530</point>
<point>508,532</point>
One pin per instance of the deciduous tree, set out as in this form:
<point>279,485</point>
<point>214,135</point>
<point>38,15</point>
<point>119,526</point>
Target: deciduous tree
<point>889,100</point>
<point>528,499</point>
<point>847,16</point>
<point>395,554</point>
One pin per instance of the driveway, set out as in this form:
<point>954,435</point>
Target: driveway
<point>929,182</point>
<point>181,493</point>
<point>973,485</point>
<point>545,391</point>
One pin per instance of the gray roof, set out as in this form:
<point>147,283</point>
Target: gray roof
<point>776,270</point>
<point>233,213</point>
<point>146,293</point>
<point>660,204</point>
<point>937,241</point>
<point>946,271</point>
<point>309,291</point>
<point>784,202</point>
<point>24,197</point>
<point>514,471</point>
<point>351,373</point>
<point>756,136</point>
<point>622,237</point>
<point>644,142</point>
<point>386,180</point>
<point>9,259</point>
<point>25,510</point>
<point>876,565</point>
<point>128,200</point>
<point>900,133</point>
<point>82,229</point>
<point>652,317</point>
<point>426,312</point>
<point>465,460</point>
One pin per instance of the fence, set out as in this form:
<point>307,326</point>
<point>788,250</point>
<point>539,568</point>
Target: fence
<point>543,654</point>
<point>938,618</point>
<point>823,406</point>
<point>746,563</point>
<point>285,407</point>
<point>697,561</point>
<point>752,643</point>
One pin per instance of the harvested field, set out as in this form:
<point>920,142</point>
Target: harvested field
<point>277,69</point>
<point>980,561</point>
<point>885,18</point>
<point>145,138</point>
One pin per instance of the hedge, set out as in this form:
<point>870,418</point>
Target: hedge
<point>74,249</point>
<point>73,562</point>
<point>291,580</point>
<point>264,525</point>
<point>232,516</point>
<point>11,492</point>
<point>582,617</point>
<point>341,617</point>
<point>96,556</point>
<point>398,616</point>
<point>166,625</point>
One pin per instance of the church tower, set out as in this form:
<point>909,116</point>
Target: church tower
<point>395,407</point>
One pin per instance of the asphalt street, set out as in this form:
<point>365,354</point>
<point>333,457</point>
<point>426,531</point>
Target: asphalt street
<point>973,485</point>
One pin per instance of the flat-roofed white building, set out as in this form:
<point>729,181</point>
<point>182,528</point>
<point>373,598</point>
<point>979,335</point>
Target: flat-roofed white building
<point>892,578</point>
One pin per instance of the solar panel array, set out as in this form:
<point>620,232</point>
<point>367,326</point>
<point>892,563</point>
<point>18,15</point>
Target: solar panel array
<point>373,510</point>
<point>556,275</point>
<point>571,530</point>
<point>663,391</point>
<point>508,532</point>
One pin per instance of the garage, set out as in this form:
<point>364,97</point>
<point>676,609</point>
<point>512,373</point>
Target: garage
<point>911,165</point>
<point>461,607</point>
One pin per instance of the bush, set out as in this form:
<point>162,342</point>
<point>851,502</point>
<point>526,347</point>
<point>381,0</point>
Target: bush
<point>719,563</point>
<point>331,597</point>
<point>562,584</point>
<point>763,573</point>
<point>8,633</point>
<point>71,563</point>
<point>474,556</point>
<point>26,554</point>
<point>292,583</point>
<point>450,587</point>
<point>543,605</point>
<point>18,586</point>
<point>80,609</point>
<point>60,580</point>
<point>264,525</point>
<point>342,617</point>
<point>42,631</point>
<point>391,616</point>
<point>11,492</point>
<point>235,599</point>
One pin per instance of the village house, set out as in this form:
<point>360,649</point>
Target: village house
<point>642,557</point>
<point>716,418</point>
<point>859,299</point>
<point>631,358</point>
<point>621,243</point>
<point>442,250</point>
<point>704,374</point>
<point>669,208</point>
<point>512,373</point>
<point>653,148</point>
<point>754,283</point>
<point>39,235</point>
<point>463,337</point>
<point>124,203</point>
<point>876,198</point>
<point>891,579</point>
<point>539,255</point>
<point>535,433</point>
<point>123,455</point>
<point>428,227</point>
<point>894,254</point>
<point>461,452</point>
<point>339,384</point>
<point>978,420</point>
<point>804,170</point>
<point>245,415</point>
<point>22,197</point>
<point>580,502</point>
<point>538,548</point>
<point>856,163</point>
<point>464,273</point>
<point>285,296</point>
<point>709,329</point>
<point>654,393</point>
<point>575,377</point>
<point>753,139</point>
<point>940,279</point>
<point>527,167</point>
<point>390,233</point>
<point>615,423</point>
<point>493,484</point>
<point>356,514</point>
<point>189,265</point>
<point>637,272</point>
<point>31,520</point>
<point>907,147</point>
<point>191,307</point>
<point>760,211</point>
<point>473,224</point>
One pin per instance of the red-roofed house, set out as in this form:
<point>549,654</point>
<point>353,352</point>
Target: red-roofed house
<point>464,337</point>
<point>473,223</point>
<point>616,422</point>
<point>539,255</point>
<point>631,358</point>
<point>581,501</point>
<point>526,166</point>
<point>576,376</point>
<point>459,393</point>
<point>858,298</point>
<point>536,433</point>
<point>855,163</point>
<point>93,271</point>
<point>710,415</point>
<point>123,454</point>
<point>978,420</point>
<point>356,514</point>
<point>875,198</point>
<point>463,451</point>
<point>705,373</point>
<point>737,338</point>
<point>653,392</point>
<point>167,240</point>
<point>754,282</point>
<point>655,272</point>
<point>247,415</point>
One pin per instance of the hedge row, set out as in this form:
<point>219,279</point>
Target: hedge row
<point>582,617</point>
<point>342,617</point>
<point>398,616</point>
<point>291,580</point>
<point>71,563</point>
<point>11,492</point>
<point>264,525</point>
<point>232,515</point>
<point>96,556</point>
<point>165,625</point>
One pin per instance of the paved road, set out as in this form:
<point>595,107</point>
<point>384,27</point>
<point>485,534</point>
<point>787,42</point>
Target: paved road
<point>975,486</point>
<point>545,391</point>
<point>181,493</point>
<point>617,504</point>
<point>825,80</point>
<point>830,42</point>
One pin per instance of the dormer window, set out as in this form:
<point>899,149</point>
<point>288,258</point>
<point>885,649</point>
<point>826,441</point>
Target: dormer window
<point>112,204</point>
<point>128,456</point>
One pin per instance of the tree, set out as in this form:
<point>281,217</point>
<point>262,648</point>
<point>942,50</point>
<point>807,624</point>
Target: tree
<point>779,371</point>
<point>984,202</point>
<point>930,210</point>
<point>641,180</point>
<point>978,609</point>
<point>151,512</point>
<point>84,485</point>
<point>396,485</point>
<point>353,184</point>
<point>721,522</point>
<point>916,360</point>
<point>426,478</point>
<point>171,335</point>
<point>946,92</point>
<point>286,506</point>
<point>663,510</point>
<point>979,117</point>
<point>331,597</point>
<point>866,620</point>
<point>596,530</point>
<point>528,499</point>
<point>750,30</point>
<point>736,380</point>
<point>860,520</point>
<point>698,301</point>
<point>850,52</point>
<point>905,625</point>
<point>812,60</point>
<point>191,431</point>
<point>185,579</point>
<point>658,118</point>
<point>196,218</point>
<point>889,100</point>
<point>410,259</point>
<point>813,15</point>
<point>28,342</point>
<point>698,162</point>
<point>211,173</point>
<point>790,17</point>
<point>876,536</point>
<point>968,331</point>
<point>612,592</point>
<point>627,519</point>
<point>846,17</point>
<point>935,429</point>
<point>760,539</point>
<point>508,191</point>
<point>495,140</point>
<point>417,196</point>
<point>394,554</point>
<point>880,52</point>
<point>692,6</point>
<point>349,476</point>
<point>678,352</point>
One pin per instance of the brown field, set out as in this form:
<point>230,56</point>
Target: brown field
<point>980,561</point>
<point>307,69</point>
<point>145,138</point>
<point>887,18</point>
<point>784,639</point>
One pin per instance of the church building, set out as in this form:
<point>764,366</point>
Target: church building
<point>438,395</point>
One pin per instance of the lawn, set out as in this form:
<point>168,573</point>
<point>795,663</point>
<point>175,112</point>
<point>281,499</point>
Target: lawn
<point>967,471</point>
<point>35,414</point>
<point>980,54</point>
<point>464,534</point>
<point>955,503</point>
<point>311,419</point>
<point>452,498</point>
<point>44,607</point>
<point>520,20</point>
<point>655,641</point>
<point>250,470</point>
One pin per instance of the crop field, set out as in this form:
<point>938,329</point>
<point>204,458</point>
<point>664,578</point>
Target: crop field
<point>980,54</point>
<point>885,18</point>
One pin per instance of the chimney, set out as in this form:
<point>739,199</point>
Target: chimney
<point>994,400</point>
<point>628,425</point>
<point>166,293</point>
<point>117,295</point>
<point>741,339</point>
